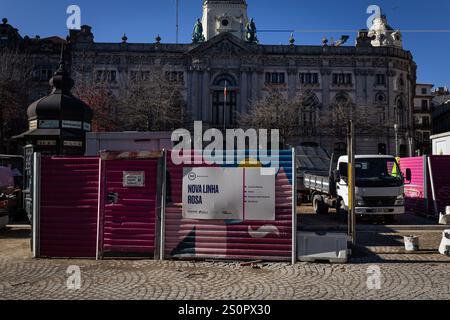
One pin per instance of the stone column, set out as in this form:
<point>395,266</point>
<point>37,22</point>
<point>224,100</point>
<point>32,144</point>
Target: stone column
<point>391,108</point>
<point>206,104</point>
<point>254,93</point>
<point>195,87</point>
<point>292,82</point>
<point>326,88</point>
<point>260,83</point>
<point>361,87</point>
<point>189,97</point>
<point>244,92</point>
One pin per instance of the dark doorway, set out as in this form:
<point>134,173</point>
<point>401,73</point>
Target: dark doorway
<point>403,151</point>
<point>382,150</point>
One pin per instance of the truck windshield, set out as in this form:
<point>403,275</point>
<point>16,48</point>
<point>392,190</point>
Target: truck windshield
<point>375,172</point>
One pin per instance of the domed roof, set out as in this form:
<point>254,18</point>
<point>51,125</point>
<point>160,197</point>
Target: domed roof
<point>60,103</point>
<point>381,23</point>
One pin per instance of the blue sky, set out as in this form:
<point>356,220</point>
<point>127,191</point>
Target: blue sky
<point>143,20</point>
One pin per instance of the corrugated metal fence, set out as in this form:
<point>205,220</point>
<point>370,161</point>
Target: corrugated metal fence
<point>85,210</point>
<point>441,178</point>
<point>68,207</point>
<point>416,197</point>
<point>419,193</point>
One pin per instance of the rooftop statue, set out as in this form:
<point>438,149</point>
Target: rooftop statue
<point>197,34</point>
<point>250,31</point>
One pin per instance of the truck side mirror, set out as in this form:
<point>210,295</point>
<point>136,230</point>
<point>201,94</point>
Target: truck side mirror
<point>336,175</point>
<point>408,175</point>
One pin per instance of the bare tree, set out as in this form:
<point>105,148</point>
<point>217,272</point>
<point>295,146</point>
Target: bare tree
<point>16,73</point>
<point>292,117</point>
<point>303,118</point>
<point>144,99</point>
<point>367,120</point>
<point>95,88</point>
<point>152,101</point>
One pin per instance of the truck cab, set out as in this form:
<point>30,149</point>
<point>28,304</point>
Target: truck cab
<point>379,185</point>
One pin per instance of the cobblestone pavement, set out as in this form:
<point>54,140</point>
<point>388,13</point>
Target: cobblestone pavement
<point>415,276</point>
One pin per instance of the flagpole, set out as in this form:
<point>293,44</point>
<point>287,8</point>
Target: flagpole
<point>225,92</point>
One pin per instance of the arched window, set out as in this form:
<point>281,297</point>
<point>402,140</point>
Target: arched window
<point>342,97</point>
<point>342,109</point>
<point>223,80</point>
<point>308,113</point>
<point>224,104</point>
<point>400,113</point>
<point>401,82</point>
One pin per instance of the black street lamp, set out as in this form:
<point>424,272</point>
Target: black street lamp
<point>396,139</point>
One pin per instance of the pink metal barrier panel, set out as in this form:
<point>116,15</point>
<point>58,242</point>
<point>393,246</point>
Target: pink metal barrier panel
<point>416,190</point>
<point>130,193</point>
<point>69,207</point>
<point>231,239</point>
<point>419,193</point>
<point>441,178</point>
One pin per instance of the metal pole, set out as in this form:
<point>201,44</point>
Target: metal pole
<point>36,203</point>
<point>294,206</point>
<point>351,181</point>
<point>225,93</point>
<point>99,208</point>
<point>411,142</point>
<point>349,177</point>
<point>162,234</point>
<point>396,139</point>
<point>433,189</point>
<point>353,137</point>
<point>178,20</point>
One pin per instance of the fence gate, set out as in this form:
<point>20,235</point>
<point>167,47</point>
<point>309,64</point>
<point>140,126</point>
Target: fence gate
<point>130,204</point>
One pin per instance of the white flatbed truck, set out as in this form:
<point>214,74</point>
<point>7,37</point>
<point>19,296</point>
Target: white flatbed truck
<point>379,187</point>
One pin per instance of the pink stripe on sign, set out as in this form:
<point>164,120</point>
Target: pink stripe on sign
<point>245,195</point>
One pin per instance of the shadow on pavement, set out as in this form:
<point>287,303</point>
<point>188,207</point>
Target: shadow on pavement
<point>387,236</point>
<point>308,219</point>
<point>362,255</point>
<point>16,232</point>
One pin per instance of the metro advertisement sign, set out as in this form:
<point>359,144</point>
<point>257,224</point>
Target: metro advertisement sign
<point>228,194</point>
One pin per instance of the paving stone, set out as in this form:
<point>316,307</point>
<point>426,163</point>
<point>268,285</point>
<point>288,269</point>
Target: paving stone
<point>403,276</point>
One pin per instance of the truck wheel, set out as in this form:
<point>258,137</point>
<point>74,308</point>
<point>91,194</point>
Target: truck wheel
<point>319,205</point>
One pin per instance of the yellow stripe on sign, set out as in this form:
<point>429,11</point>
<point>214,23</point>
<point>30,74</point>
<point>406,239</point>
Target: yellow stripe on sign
<point>250,163</point>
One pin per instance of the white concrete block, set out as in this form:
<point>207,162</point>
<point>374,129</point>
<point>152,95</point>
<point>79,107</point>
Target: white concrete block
<point>330,247</point>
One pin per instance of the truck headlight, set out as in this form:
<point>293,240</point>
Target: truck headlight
<point>400,200</point>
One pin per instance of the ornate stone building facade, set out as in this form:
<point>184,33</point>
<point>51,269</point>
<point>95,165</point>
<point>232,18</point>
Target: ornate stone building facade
<point>374,73</point>
<point>423,109</point>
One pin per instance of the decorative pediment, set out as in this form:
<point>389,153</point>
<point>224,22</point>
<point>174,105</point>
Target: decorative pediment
<point>223,45</point>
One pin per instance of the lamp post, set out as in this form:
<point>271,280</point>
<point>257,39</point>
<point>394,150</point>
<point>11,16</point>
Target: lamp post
<point>396,139</point>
